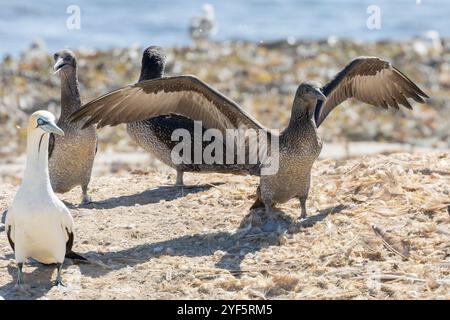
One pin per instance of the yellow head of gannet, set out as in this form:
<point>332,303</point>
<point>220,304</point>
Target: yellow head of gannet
<point>43,122</point>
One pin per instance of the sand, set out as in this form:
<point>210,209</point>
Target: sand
<point>378,228</point>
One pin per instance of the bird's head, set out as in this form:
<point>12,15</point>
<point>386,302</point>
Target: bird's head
<point>153,63</point>
<point>65,61</point>
<point>44,121</point>
<point>208,10</point>
<point>307,95</point>
<point>310,90</point>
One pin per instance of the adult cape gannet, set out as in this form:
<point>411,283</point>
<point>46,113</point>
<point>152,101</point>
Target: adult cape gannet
<point>38,224</point>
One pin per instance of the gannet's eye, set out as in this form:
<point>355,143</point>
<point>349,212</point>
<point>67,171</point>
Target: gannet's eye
<point>40,122</point>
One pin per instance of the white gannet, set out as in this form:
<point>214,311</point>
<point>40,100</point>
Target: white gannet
<point>38,224</point>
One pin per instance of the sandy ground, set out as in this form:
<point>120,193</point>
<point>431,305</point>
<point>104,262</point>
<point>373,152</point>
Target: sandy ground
<point>378,228</point>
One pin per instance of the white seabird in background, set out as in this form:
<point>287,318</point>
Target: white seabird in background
<point>38,224</point>
<point>204,26</point>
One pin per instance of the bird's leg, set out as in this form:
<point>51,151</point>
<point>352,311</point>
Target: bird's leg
<point>19,287</point>
<point>19,281</point>
<point>58,281</point>
<point>258,202</point>
<point>347,148</point>
<point>86,198</point>
<point>268,208</point>
<point>303,207</point>
<point>179,182</point>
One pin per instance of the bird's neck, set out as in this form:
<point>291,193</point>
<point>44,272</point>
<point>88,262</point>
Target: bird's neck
<point>301,114</point>
<point>149,74</point>
<point>70,95</point>
<point>36,171</point>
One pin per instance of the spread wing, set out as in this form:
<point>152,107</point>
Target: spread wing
<point>187,96</point>
<point>370,80</point>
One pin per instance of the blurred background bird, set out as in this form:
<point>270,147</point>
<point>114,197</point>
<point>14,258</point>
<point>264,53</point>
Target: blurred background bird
<point>203,27</point>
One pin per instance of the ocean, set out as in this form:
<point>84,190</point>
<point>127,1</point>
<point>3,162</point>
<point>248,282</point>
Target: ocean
<point>105,24</point>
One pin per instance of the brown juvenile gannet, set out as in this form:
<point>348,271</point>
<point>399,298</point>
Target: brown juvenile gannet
<point>155,135</point>
<point>71,156</point>
<point>368,79</point>
<point>38,224</point>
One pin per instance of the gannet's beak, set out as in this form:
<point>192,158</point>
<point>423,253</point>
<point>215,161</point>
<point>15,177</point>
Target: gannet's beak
<point>59,64</point>
<point>51,127</point>
<point>319,94</point>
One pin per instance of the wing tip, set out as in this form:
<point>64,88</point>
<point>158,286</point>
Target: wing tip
<point>419,92</point>
<point>424,95</point>
<point>75,256</point>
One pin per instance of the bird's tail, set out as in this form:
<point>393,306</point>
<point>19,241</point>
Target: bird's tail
<point>75,256</point>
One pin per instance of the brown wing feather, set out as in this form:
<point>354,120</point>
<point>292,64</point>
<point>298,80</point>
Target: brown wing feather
<point>69,244</point>
<point>51,145</point>
<point>11,243</point>
<point>370,80</point>
<point>183,95</point>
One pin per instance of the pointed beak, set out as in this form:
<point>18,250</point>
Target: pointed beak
<point>59,64</point>
<point>51,127</point>
<point>319,95</point>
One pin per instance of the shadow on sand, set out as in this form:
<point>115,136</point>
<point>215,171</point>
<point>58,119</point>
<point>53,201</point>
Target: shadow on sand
<point>167,193</point>
<point>37,283</point>
<point>236,245</point>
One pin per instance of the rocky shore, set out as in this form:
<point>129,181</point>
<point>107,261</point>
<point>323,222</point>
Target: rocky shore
<point>261,77</point>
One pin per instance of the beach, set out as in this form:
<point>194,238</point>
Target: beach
<point>378,228</point>
<point>379,210</point>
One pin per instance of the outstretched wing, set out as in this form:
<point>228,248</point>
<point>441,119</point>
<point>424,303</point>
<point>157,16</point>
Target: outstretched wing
<point>370,80</point>
<point>187,96</point>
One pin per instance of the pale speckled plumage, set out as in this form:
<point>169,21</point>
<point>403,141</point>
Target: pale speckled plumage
<point>146,138</point>
<point>71,157</point>
<point>300,146</point>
